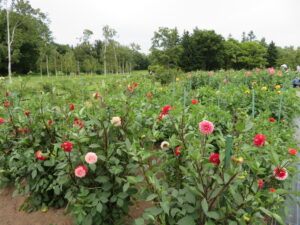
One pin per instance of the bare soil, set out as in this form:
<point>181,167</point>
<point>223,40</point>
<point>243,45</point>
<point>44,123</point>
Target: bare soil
<point>10,214</point>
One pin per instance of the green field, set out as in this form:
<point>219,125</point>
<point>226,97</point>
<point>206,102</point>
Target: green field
<point>232,170</point>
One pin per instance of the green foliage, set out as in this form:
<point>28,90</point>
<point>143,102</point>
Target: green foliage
<point>166,48</point>
<point>272,54</point>
<point>203,50</point>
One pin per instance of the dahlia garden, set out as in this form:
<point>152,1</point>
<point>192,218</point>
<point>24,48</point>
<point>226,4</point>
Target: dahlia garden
<point>199,148</point>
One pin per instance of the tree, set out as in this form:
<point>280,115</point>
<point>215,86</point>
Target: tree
<point>252,55</point>
<point>166,49</point>
<point>188,61</point>
<point>272,54</point>
<point>244,38</point>
<point>232,51</point>
<point>27,31</point>
<point>202,50</point>
<point>288,56</point>
<point>108,34</point>
<point>251,36</point>
<point>10,34</point>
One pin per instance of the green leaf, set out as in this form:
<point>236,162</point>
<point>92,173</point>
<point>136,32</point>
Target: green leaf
<point>84,140</point>
<point>92,167</point>
<point>174,211</point>
<point>132,180</point>
<point>213,215</point>
<point>165,206</point>
<point>154,211</point>
<point>128,144</point>
<point>278,218</point>
<point>125,187</point>
<point>102,179</point>
<point>99,207</point>
<point>33,174</point>
<point>274,215</point>
<point>151,197</point>
<point>120,202</point>
<point>265,211</point>
<point>204,205</point>
<point>49,163</point>
<point>187,220</point>
<point>94,146</point>
<point>209,222</point>
<point>249,126</point>
<point>232,223</point>
<point>57,190</point>
<point>189,197</point>
<point>139,221</point>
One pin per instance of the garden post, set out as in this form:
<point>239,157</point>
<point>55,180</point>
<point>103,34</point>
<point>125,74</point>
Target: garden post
<point>280,106</point>
<point>253,103</point>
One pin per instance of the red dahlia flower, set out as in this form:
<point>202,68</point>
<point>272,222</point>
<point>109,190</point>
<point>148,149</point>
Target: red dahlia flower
<point>260,183</point>
<point>259,140</point>
<point>27,113</point>
<point>78,123</point>
<point>214,158</point>
<point>271,119</point>
<point>149,95</point>
<point>6,104</point>
<point>67,146</point>
<point>280,173</point>
<point>177,151</point>
<point>272,189</point>
<point>164,111</point>
<point>194,101</point>
<point>72,107</point>
<point>293,151</point>
<point>24,131</point>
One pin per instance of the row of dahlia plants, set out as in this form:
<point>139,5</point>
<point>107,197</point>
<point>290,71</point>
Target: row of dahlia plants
<point>111,143</point>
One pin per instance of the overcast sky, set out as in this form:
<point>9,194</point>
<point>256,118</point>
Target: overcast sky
<point>136,20</point>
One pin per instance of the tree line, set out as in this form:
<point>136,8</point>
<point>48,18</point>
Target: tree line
<point>207,50</point>
<point>26,44</point>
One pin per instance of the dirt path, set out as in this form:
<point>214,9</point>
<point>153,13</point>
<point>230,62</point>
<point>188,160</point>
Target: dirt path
<point>10,214</point>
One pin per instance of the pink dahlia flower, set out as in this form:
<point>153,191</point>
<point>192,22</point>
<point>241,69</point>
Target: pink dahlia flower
<point>206,127</point>
<point>116,121</point>
<point>91,158</point>
<point>80,171</point>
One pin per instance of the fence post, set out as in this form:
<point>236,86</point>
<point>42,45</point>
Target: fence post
<point>253,104</point>
<point>280,106</point>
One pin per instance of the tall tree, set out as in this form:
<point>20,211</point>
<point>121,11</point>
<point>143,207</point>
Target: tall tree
<point>108,34</point>
<point>203,49</point>
<point>251,36</point>
<point>272,54</point>
<point>253,55</point>
<point>10,34</point>
<point>166,49</point>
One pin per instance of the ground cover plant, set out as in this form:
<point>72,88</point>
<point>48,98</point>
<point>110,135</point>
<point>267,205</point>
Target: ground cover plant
<point>202,147</point>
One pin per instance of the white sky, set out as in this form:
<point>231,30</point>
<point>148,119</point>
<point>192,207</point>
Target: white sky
<point>136,20</point>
